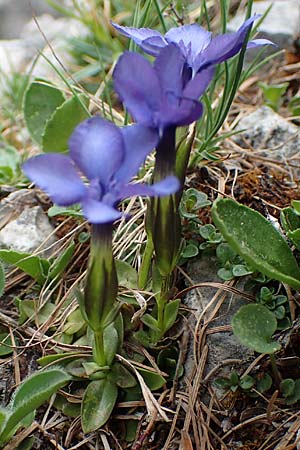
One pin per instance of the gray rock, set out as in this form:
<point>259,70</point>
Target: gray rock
<point>17,55</point>
<point>15,13</point>
<point>55,32</point>
<point>12,205</point>
<point>269,134</point>
<point>282,24</point>
<point>24,227</point>
<point>223,345</point>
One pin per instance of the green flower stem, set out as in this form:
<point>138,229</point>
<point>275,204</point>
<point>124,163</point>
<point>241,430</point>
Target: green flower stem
<point>146,263</point>
<point>101,286</point>
<point>164,217</point>
<point>183,155</point>
<point>162,301</point>
<point>98,348</point>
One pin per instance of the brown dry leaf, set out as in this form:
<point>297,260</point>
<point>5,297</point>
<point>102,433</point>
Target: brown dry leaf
<point>186,442</point>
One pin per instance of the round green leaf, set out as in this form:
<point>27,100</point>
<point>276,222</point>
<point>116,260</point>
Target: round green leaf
<point>40,101</point>
<point>254,325</point>
<point>240,270</point>
<point>189,251</point>
<point>61,124</point>
<point>287,387</point>
<point>247,382</point>
<point>264,384</point>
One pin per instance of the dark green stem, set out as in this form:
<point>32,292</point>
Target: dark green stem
<point>162,301</point>
<point>101,286</point>
<point>146,263</point>
<point>98,348</point>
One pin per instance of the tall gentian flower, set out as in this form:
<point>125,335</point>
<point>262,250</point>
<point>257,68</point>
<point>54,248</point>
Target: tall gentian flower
<point>199,48</point>
<point>158,96</point>
<point>108,157</point>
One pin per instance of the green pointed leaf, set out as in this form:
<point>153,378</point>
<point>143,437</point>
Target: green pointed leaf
<point>74,322</point>
<point>61,124</point>
<point>170,314</point>
<point>76,369</point>
<point>34,266</point>
<point>122,377</point>
<point>255,239</point>
<point>127,275</point>
<point>4,414</point>
<point>254,325</point>
<point>234,378</point>
<point>296,206</point>
<point>60,264</point>
<point>72,211</point>
<point>28,310</point>
<point>90,367</point>
<point>5,344</point>
<point>40,102</point>
<point>31,394</point>
<point>222,383</point>
<point>97,404</point>
<point>167,361</point>
<point>59,358</point>
<point>290,220</point>
<point>150,321</point>
<point>67,408</point>
<point>111,343</point>
<point>294,236</point>
<point>153,380</point>
<point>27,444</point>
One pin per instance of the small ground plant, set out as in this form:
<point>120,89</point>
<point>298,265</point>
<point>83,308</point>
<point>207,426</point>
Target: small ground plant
<point>103,146</point>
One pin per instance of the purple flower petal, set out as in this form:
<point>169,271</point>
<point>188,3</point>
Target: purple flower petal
<point>193,37</point>
<point>56,174</point>
<point>188,112</point>
<point>138,86</point>
<point>168,66</point>
<point>139,141</point>
<point>154,45</point>
<point>197,86</point>
<point>99,212</point>
<point>97,148</point>
<point>151,39</point>
<point>259,42</point>
<point>224,46</point>
<point>167,186</point>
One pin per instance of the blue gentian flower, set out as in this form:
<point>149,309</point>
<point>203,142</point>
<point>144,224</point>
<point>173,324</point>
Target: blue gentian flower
<point>199,48</point>
<point>158,95</point>
<point>108,157</point>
